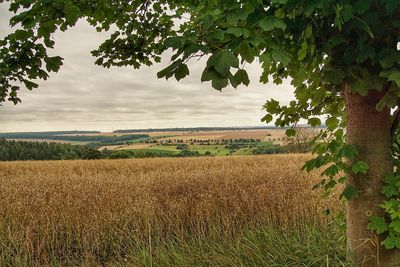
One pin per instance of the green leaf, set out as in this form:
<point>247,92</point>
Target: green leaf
<point>331,171</point>
<point>396,225</point>
<point>334,76</point>
<point>267,118</point>
<point>247,52</point>
<point>290,132</point>
<point>310,6</point>
<point>348,151</point>
<point>366,53</point>
<point>219,83</point>
<point>391,242</point>
<point>303,51</point>
<point>313,122</point>
<point>360,167</point>
<point>181,72</point>
<point>395,77</point>
<point>274,2</point>
<point>30,85</point>
<point>169,70</point>
<point>233,81</point>
<point>53,63</point>
<point>347,12</point>
<point>46,29</point>
<point>209,74</point>
<point>272,106</point>
<point>389,99</point>
<point>280,55</point>
<point>222,62</point>
<point>98,14</point>
<point>271,23</point>
<point>219,35</point>
<point>389,191</point>
<point>237,32</point>
<point>361,6</point>
<point>265,58</point>
<point>387,62</point>
<point>377,224</point>
<point>21,34</point>
<point>241,77</point>
<point>349,192</point>
<point>72,13</point>
<point>234,17</point>
<point>332,123</point>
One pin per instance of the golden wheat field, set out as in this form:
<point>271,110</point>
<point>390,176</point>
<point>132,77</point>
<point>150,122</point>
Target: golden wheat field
<point>60,211</point>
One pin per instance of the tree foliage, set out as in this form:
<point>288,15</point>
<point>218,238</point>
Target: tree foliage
<point>21,150</point>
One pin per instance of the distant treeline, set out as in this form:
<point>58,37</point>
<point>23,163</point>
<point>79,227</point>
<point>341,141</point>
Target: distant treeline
<point>125,154</point>
<point>22,150</point>
<point>194,129</point>
<point>75,138</point>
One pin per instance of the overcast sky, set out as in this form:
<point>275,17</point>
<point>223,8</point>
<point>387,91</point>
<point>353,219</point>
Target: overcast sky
<point>83,96</point>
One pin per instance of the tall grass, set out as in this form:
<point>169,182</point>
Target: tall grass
<point>228,211</point>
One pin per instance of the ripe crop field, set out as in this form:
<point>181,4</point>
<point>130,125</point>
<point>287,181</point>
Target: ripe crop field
<point>216,211</point>
<point>263,135</point>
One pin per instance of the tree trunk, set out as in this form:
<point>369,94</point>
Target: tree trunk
<point>369,130</point>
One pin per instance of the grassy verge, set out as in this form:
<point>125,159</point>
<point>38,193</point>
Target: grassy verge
<point>264,245</point>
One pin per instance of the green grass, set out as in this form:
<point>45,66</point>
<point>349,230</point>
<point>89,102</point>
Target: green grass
<point>264,144</point>
<point>216,150</point>
<point>244,151</point>
<point>139,140</point>
<point>154,150</point>
<point>265,245</point>
<point>163,136</point>
<point>164,147</point>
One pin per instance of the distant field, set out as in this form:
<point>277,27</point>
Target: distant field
<point>218,150</point>
<point>210,211</point>
<point>128,147</point>
<point>161,133</point>
<point>264,135</point>
<point>204,135</point>
<point>121,141</point>
<point>167,141</point>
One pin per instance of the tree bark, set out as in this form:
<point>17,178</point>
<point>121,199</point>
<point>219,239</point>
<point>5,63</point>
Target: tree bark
<point>369,130</point>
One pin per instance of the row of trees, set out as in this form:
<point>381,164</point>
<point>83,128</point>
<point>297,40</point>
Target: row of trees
<point>125,154</point>
<point>20,150</point>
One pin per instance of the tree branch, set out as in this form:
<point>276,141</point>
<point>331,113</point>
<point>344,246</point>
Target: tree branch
<point>396,121</point>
